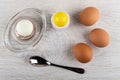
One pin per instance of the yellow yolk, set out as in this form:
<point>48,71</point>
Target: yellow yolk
<point>60,19</point>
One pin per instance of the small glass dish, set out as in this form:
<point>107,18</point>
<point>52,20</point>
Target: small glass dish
<point>13,42</point>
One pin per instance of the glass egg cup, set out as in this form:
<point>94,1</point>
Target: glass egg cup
<point>13,42</point>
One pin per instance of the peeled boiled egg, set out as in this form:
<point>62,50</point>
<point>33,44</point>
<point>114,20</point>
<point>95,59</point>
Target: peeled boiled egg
<point>82,52</point>
<point>24,29</point>
<point>89,16</point>
<point>99,37</point>
<point>60,20</point>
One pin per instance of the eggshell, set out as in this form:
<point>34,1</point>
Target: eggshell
<point>82,52</point>
<point>89,16</point>
<point>24,29</point>
<point>99,37</point>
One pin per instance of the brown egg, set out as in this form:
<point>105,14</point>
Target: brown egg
<point>89,16</point>
<point>99,37</point>
<point>82,52</point>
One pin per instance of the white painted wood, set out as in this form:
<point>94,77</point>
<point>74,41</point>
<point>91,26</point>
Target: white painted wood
<point>56,46</point>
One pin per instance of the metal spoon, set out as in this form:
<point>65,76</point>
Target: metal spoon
<point>36,60</point>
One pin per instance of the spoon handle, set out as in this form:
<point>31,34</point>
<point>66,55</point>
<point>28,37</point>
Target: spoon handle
<point>78,70</point>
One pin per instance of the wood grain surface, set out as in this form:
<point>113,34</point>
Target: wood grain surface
<point>56,46</point>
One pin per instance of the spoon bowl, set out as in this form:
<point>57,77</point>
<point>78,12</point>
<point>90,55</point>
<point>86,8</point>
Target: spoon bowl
<point>38,61</point>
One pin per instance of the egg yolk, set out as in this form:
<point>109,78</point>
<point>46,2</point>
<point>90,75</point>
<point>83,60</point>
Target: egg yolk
<point>60,19</point>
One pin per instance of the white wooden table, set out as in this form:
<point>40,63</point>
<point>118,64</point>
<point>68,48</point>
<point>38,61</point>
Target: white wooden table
<point>56,46</point>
